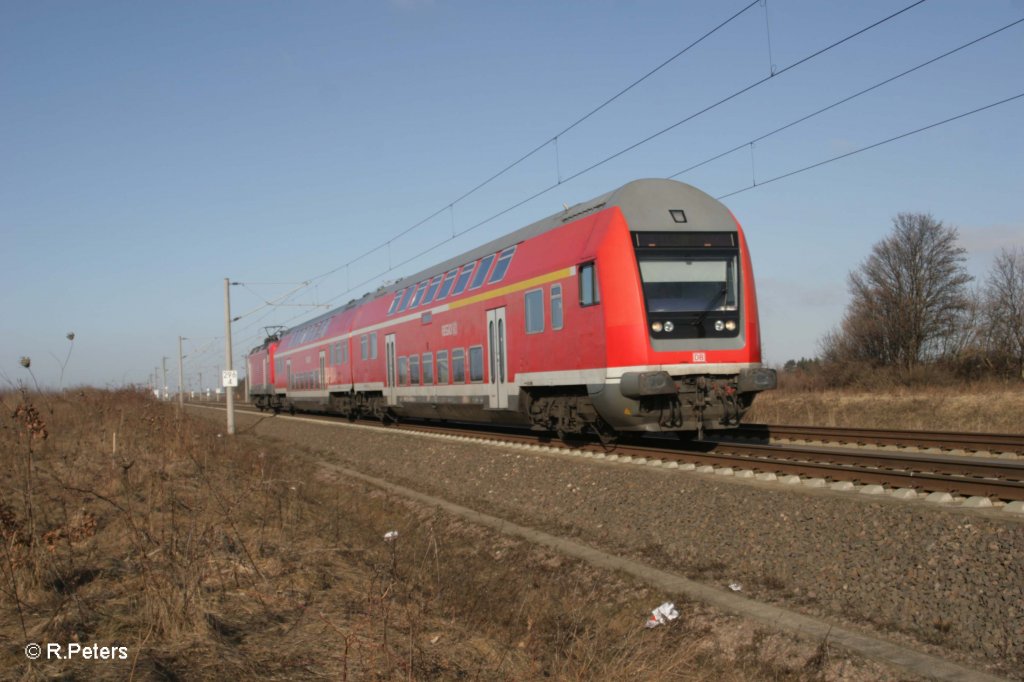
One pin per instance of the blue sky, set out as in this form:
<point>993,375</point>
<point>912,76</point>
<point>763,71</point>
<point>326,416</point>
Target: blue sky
<point>148,150</point>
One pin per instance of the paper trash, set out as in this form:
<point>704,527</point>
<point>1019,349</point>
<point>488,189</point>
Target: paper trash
<point>662,615</point>
<point>735,587</point>
<point>390,535</point>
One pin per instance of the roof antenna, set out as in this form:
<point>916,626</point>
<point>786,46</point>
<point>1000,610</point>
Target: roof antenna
<point>565,206</point>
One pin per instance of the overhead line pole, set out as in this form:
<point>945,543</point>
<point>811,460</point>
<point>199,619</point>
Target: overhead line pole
<point>181,376</point>
<point>228,359</point>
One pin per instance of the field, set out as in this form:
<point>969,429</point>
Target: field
<point>192,556</point>
<point>992,407</point>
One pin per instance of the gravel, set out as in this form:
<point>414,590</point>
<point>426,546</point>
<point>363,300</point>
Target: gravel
<point>944,580</point>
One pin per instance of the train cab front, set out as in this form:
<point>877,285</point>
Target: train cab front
<point>703,368</point>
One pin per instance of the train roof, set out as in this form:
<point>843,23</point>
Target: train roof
<point>644,202</point>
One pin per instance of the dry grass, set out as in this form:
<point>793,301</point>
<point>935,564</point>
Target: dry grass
<point>993,407</point>
<point>125,524</point>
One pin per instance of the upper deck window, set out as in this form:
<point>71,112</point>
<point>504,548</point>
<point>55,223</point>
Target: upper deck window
<point>419,294</point>
<point>431,290</point>
<point>460,283</point>
<point>481,272</point>
<point>394,303</point>
<point>405,298</point>
<point>446,284</point>
<point>501,267</point>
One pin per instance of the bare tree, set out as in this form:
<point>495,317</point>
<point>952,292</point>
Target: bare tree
<point>909,298</point>
<point>1003,311</point>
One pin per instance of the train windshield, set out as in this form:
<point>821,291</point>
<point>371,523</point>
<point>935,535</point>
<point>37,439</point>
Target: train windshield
<point>689,283</point>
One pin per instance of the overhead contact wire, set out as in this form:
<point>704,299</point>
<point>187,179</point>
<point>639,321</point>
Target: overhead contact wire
<point>878,144</point>
<point>544,144</point>
<point>848,98</point>
<point>616,154</point>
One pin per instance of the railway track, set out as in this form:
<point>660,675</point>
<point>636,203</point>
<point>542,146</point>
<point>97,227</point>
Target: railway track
<point>942,440</point>
<point>991,478</point>
<point>982,478</point>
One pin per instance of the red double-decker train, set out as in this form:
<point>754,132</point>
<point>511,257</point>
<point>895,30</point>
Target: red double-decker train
<point>634,311</point>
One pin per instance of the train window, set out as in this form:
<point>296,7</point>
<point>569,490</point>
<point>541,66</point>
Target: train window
<point>458,366</point>
<point>588,285</point>
<point>373,345</point>
<point>344,350</point>
<point>476,363</point>
<point>501,267</point>
<point>394,303</point>
<point>428,369</point>
<point>414,370</point>
<point>556,306</point>
<point>690,283</point>
<point>419,294</point>
<point>405,298</point>
<point>403,371</point>
<point>678,240</point>
<point>431,290</point>
<point>460,284</point>
<point>442,367</point>
<point>363,348</point>
<point>446,284</point>
<point>481,272</point>
<point>535,311</point>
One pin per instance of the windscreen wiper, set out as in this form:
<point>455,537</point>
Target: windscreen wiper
<point>711,305</point>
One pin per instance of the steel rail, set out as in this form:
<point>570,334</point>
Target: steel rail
<point>993,478</point>
<point>945,440</point>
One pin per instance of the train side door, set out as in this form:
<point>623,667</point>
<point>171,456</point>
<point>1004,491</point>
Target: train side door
<point>389,360</point>
<point>497,362</point>
<point>323,370</point>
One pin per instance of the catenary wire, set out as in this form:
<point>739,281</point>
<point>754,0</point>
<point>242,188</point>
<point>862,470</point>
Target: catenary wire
<point>791,66</point>
<point>541,146</point>
<point>615,155</point>
<point>844,100</point>
<point>877,144</point>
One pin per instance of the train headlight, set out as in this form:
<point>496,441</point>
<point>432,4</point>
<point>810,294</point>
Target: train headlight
<point>719,325</point>
<point>669,326</point>
<point>656,326</point>
<point>731,325</point>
